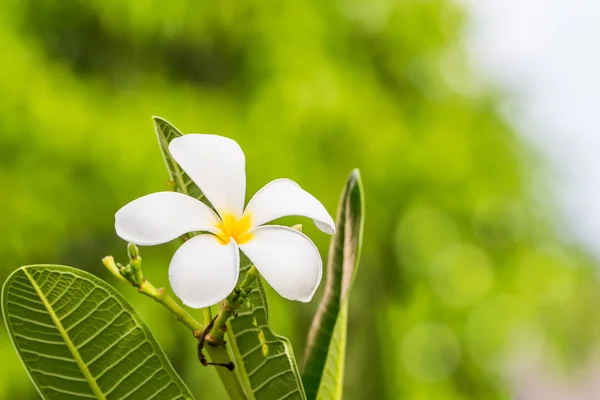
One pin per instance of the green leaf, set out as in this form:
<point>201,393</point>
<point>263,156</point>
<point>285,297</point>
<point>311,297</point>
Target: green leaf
<point>325,351</point>
<point>79,338</point>
<point>165,132</point>
<point>264,360</point>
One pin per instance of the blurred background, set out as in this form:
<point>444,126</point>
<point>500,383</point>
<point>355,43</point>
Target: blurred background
<point>473,123</point>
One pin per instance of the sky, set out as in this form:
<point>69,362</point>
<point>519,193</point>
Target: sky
<point>544,55</point>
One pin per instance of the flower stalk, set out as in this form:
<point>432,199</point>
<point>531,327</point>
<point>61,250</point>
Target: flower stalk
<point>217,354</point>
<point>228,307</point>
<point>159,295</point>
<point>132,273</point>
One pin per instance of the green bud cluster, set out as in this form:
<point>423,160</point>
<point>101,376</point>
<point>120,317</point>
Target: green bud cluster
<point>131,272</point>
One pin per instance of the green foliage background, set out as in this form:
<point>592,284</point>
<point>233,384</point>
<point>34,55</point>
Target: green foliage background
<point>461,267</point>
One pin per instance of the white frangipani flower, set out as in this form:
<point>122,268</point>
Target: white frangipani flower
<point>205,269</point>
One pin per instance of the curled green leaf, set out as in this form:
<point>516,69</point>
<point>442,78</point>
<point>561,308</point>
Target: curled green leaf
<point>325,351</point>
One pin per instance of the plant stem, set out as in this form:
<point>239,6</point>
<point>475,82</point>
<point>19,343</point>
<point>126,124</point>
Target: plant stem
<point>229,379</point>
<point>218,354</point>
<point>182,315</point>
<point>217,351</point>
<point>206,315</point>
<point>228,307</point>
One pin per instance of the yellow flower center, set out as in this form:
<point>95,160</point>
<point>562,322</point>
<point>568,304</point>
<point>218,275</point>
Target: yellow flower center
<point>231,227</point>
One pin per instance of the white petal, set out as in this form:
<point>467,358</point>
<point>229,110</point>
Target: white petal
<point>203,271</point>
<point>287,259</point>
<point>283,197</point>
<point>160,217</point>
<point>217,165</point>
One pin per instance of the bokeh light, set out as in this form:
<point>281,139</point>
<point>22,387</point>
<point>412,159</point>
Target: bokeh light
<point>466,282</point>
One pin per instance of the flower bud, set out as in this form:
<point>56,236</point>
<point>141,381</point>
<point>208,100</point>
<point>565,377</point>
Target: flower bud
<point>134,269</point>
<point>109,263</point>
<point>132,251</point>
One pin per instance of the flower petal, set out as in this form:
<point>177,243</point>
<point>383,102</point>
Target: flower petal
<point>161,217</point>
<point>283,197</point>
<point>217,165</point>
<point>203,271</point>
<point>287,259</point>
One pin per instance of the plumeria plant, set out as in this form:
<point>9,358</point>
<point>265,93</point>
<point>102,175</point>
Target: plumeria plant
<point>79,338</point>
